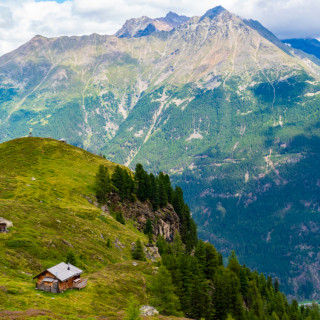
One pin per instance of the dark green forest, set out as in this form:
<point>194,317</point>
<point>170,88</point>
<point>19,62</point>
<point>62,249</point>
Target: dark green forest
<point>192,279</point>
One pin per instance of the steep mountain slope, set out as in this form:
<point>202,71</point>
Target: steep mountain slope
<point>43,184</point>
<point>46,229</point>
<point>218,101</point>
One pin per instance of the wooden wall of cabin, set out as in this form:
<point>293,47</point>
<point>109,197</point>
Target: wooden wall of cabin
<point>68,284</point>
<point>44,285</point>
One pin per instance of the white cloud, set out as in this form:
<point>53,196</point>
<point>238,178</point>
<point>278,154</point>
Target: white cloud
<point>20,20</point>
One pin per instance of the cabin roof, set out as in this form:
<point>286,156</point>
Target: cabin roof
<point>63,271</point>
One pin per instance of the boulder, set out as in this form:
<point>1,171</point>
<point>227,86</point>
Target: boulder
<point>148,311</point>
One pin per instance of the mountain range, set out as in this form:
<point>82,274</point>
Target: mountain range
<point>217,101</point>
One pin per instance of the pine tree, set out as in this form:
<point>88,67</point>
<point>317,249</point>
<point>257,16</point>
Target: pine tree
<point>177,201</point>
<point>148,229</point>
<point>220,259</point>
<point>233,264</point>
<point>118,181</point>
<point>154,192</point>
<point>177,245</point>
<point>163,297</point>
<point>162,245</point>
<point>276,285</point>
<point>128,188</point>
<point>142,183</point>
<point>199,294</point>
<point>119,217</point>
<point>211,260</point>
<point>138,252</point>
<point>183,280</point>
<point>163,197</point>
<point>71,258</point>
<point>243,282</point>
<point>200,254</point>
<point>168,187</point>
<point>102,184</point>
<point>133,310</point>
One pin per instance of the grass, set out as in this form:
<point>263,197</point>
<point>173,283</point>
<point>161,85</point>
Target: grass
<point>43,184</point>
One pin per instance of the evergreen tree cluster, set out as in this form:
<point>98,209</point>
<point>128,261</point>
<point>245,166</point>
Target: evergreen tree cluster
<point>204,289</point>
<point>148,187</point>
<point>138,252</point>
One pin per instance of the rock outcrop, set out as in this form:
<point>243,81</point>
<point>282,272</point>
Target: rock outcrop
<point>165,221</point>
<point>144,26</point>
<point>148,311</point>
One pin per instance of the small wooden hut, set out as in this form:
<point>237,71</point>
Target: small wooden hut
<point>4,225</point>
<point>59,278</point>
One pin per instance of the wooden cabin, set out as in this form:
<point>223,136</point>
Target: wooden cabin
<point>4,225</point>
<point>59,278</point>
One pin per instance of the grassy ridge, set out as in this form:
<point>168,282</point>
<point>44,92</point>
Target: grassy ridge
<point>42,188</point>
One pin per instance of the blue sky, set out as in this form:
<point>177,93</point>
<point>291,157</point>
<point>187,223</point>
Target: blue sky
<point>20,20</point>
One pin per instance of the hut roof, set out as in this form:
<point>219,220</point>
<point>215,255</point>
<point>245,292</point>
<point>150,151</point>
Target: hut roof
<point>63,271</point>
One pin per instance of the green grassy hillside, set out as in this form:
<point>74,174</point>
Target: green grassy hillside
<point>42,188</point>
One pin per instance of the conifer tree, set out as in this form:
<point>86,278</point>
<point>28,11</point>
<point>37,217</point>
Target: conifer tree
<point>199,294</point>
<point>177,201</point>
<point>162,245</point>
<point>133,310</point>
<point>119,217</point>
<point>200,254</point>
<point>163,296</point>
<point>233,264</point>
<point>243,282</point>
<point>276,285</point>
<point>142,183</point>
<point>183,280</point>
<point>102,184</point>
<point>71,258</point>
<point>163,197</point>
<point>138,252</point>
<point>154,192</point>
<point>128,188</point>
<point>148,229</point>
<point>118,181</point>
<point>169,189</point>
<point>211,260</point>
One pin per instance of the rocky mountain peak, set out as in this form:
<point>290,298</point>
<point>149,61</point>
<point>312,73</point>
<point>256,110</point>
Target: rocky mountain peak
<point>212,13</point>
<point>173,19</point>
<point>144,26</point>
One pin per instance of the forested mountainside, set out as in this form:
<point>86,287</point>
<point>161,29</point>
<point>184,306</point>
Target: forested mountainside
<point>218,102</point>
<point>66,204</point>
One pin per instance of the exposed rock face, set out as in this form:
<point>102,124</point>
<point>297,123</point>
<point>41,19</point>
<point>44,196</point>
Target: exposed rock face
<point>151,251</point>
<point>165,221</point>
<point>144,26</point>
